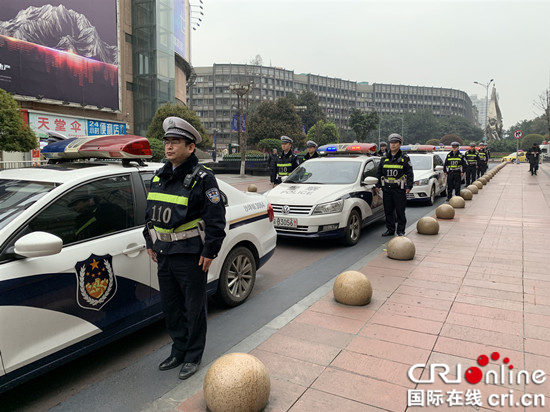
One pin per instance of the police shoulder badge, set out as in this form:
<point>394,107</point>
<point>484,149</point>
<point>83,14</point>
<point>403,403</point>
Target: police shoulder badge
<point>213,195</point>
<point>96,282</point>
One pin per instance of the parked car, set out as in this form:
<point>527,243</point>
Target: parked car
<point>65,290</point>
<point>512,157</point>
<point>429,179</point>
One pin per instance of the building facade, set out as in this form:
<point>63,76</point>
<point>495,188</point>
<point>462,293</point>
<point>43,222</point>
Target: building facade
<point>210,96</point>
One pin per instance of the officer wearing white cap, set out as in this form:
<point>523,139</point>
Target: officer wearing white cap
<point>484,155</point>
<point>396,178</point>
<point>472,160</point>
<point>185,228</point>
<point>286,161</point>
<point>311,150</point>
<point>454,169</point>
<point>383,149</point>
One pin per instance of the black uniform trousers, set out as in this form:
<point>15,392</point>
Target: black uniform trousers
<point>470,174</point>
<point>183,293</point>
<point>453,183</point>
<point>481,169</point>
<point>533,167</point>
<point>395,201</point>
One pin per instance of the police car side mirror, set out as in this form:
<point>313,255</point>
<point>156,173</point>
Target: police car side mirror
<point>283,178</point>
<point>438,168</point>
<point>370,181</point>
<point>38,244</point>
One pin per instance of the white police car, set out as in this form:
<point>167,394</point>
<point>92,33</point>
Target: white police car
<point>330,196</point>
<point>429,179</point>
<point>66,289</point>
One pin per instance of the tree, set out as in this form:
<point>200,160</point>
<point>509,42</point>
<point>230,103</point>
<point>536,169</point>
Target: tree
<point>432,142</point>
<point>527,141</point>
<point>155,130</point>
<point>323,133</point>
<point>311,112</point>
<point>461,127</point>
<point>449,138</point>
<point>533,126</point>
<point>420,126</point>
<point>15,134</point>
<point>271,120</point>
<point>267,145</point>
<point>363,123</point>
<point>543,103</point>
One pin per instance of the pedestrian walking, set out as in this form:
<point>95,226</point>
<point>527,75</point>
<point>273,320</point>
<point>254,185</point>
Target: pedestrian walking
<point>472,159</point>
<point>454,170</point>
<point>271,163</point>
<point>185,227</point>
<point>311,150</point>
<point>396,178</point>
<point>533,155</point>
<point>286,161</point>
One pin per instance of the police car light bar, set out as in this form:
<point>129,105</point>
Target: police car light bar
<point>125,146</point>
<point>418,148</point>
<point>347,149</point>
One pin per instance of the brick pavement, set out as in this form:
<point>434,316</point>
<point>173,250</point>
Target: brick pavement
<point>481,285</point>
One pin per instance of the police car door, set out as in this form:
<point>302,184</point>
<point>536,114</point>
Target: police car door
<point>370,170</point>
<point>99,282</point>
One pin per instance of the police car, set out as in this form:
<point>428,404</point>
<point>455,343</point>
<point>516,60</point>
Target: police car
<point>429,179</point>
<point>330,196</point>
<point>65,288</point>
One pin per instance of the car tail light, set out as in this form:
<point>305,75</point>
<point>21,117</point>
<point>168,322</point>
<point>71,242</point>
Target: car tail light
<point>270,212</point>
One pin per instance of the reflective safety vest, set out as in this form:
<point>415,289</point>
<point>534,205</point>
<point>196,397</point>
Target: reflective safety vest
<point>286,164</point>
<point>471,158</point>
<point>482,156</point>
<point>393,173</point>
<point>454,162</point>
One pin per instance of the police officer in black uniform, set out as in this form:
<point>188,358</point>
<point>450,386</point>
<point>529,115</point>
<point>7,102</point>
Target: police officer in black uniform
<point>286,161</point>
<point>454,169</point>
<point>185,227</point>
<point>396,178</point>
<point>383,149</point>
<point>483,154</point>
<point>472,160</point>
<point>311,150</point>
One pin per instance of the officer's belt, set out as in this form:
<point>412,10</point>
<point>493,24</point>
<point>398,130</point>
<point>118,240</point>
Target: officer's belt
<point>174,236</point>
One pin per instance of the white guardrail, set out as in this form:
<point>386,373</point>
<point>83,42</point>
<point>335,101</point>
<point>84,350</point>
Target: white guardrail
<point>15,164</point>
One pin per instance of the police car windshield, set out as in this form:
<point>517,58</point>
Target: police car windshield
<point>17,195</point>
<point>325,173</point>
<point>421,162</point>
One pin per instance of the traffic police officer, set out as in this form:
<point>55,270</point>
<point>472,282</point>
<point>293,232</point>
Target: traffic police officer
<point>472,160</point>
<point>311,150</point>
<point>483,154</point>
<point>454,169</point>
<point>396,178</point>
<point>185,227</point>
<point>286,161</point>
<point>383,149</point>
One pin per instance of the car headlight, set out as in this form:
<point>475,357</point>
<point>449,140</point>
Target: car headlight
<point>421,182</point>
<point>330,207</point>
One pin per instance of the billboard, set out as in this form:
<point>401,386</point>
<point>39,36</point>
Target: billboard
<point>71,126</point>
<point>180,28</point>
<point>64,50</point>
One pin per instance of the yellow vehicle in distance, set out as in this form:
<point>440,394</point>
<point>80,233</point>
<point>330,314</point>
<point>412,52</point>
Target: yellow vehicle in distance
<point>512,157</point>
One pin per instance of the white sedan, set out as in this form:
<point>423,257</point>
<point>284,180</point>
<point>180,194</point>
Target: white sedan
<point>429,179</point>
<point>65,290</point>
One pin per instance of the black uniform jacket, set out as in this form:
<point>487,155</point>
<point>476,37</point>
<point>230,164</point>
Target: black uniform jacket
<point>400,158</point>
<point>454,163</point>
<point>286,163</point>
<point>170,205</point>
<point>313,156</point>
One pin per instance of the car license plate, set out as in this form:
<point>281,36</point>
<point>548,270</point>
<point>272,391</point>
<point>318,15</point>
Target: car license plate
<point>285,222</point>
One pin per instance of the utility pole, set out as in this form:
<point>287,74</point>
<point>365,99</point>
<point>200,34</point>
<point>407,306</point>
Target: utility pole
<point>241,90</point>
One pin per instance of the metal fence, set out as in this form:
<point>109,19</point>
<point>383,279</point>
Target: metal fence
<point>15,164</point>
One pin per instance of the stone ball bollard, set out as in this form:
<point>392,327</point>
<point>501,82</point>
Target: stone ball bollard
<point>252,187</point>
<point>427,226</point>
<point>445,211</point>
<point>466,194</point>
<point>401,248</point>
<point>473,189</point>
<point>237,382</point>
<point>483,180</point>
<point>352,288</point>
<point>457,202</point>
<point>478,184</point>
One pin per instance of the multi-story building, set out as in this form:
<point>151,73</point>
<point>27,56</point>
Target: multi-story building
<point>481,106</point>
<point>105,70</point>
<point>211,97</point>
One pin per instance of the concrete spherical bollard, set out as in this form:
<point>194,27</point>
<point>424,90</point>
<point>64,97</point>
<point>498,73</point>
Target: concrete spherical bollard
<point>401,248</point>
<point>445,211</point>
<point>352,288</point>
<point>483,180</point>
<point>427,226</point>
<point>473,189</point>
<point>466,194</point>
<point>252,187</point>
<point>237,382</point>
<point>457,202</point>
<point>478,184</point>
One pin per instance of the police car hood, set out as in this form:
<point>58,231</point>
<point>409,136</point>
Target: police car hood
<point>423,174</point>
<point>308,194</point>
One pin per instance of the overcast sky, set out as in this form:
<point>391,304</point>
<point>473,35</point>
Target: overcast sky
<point>439,43</point>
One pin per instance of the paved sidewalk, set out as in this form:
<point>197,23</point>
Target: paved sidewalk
<point>482,285</point>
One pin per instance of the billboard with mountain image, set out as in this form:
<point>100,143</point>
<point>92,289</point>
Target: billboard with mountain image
<point>62,50</point>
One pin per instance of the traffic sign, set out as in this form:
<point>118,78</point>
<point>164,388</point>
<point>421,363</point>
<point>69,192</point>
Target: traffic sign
<point>518,134</point>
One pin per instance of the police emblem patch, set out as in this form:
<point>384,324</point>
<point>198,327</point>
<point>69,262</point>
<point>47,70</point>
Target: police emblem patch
<point>213,195</point>
<point>96,282</point>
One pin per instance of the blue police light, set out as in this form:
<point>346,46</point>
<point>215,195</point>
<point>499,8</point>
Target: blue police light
<point>331,149</point>
<point>405,148</point>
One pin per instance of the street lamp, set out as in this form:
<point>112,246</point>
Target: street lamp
<point>486,106</point>
<point>241,90</point>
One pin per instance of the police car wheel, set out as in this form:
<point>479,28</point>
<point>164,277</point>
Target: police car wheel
<point>237,277</point>
<point>353,229</point>
<point>431,199</point>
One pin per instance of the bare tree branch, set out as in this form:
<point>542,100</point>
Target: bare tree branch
<point>543,104</point>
